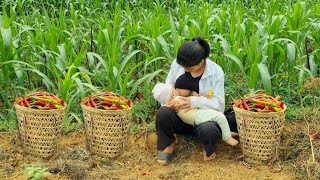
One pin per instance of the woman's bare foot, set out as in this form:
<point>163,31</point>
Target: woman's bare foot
<point>208,158</point>
<point>231,141</point>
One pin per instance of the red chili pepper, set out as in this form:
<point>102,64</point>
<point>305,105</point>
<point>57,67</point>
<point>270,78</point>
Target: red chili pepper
<point>282,105</point>
<point>85,100</point>
<point>92,102</point>
<point>62,103</point>
<point>245,104</point>
<point>237,103</point>
<point>271,109</point>
<point>118,106</point>
<point>39,102</point>
<point>260,105</point>
<point>26,101</point>
<point>19,100</point>
<point>50,105</point>
<point>108,103</point>
<point>129,103</point>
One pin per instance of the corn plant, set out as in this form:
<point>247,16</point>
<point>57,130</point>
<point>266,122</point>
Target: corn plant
<point>74,47</point>
<point>7,52</point>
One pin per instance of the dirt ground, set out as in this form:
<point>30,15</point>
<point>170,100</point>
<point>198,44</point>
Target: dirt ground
<point>73,161</point>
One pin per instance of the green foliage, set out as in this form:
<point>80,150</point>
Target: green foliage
<point>8,120</point>
<point>293,112</point>
<point>144,111</point>
<point>74,47</point>
<point>35,171</point>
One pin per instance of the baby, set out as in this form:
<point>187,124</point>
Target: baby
<point>165,93</point>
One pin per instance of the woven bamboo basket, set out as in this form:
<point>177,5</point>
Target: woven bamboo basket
<point>259,134</point>
<point>106,131</point>
<point>40,130</point>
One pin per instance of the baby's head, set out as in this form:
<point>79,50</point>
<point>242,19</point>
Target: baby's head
<point>163,93</point>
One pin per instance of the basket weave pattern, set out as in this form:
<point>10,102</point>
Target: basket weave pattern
<point>106,131</point>
<point>40,130</point>
<point>259,134</point>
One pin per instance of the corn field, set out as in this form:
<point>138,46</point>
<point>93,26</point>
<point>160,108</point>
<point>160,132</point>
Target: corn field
<point>74,47</point>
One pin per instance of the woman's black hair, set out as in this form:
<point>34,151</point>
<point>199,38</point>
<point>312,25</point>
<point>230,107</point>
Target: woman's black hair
<point>192,52</point>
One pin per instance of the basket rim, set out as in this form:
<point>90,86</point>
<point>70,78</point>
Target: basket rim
<point>283,110</point>
<point>39,110</point>
<point>105,110</point>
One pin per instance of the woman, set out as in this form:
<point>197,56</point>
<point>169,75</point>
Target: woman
<point>207,79</point>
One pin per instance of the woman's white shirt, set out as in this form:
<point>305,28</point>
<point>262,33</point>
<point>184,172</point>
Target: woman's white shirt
<point>211,83</point>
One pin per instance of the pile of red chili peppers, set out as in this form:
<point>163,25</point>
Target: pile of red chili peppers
<point>260,102</point>
<point>106,100</point>
<point>40,100</point>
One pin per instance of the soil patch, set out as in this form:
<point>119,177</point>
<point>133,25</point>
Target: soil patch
<point>138,160</point>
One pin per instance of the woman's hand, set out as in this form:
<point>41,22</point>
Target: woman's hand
<point>185,103</point>
<point>172,105</point>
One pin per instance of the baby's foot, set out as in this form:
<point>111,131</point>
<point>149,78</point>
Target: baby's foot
<point>208,158</point>
<point>231,142</point>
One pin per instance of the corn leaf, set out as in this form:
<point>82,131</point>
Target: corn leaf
<point>265,76</point>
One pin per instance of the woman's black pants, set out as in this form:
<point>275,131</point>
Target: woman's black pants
<point>168,123</point>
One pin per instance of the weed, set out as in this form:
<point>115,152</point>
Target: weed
<point>35,171</point>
